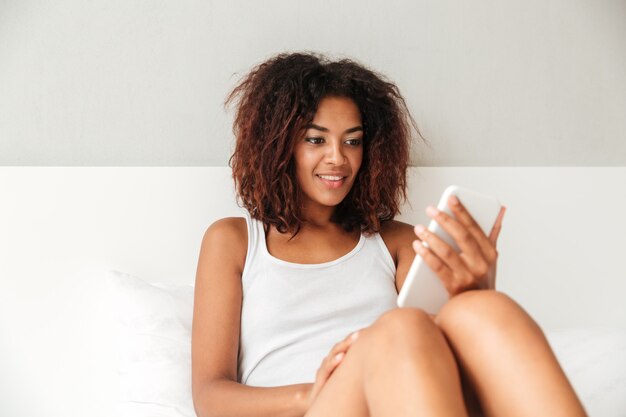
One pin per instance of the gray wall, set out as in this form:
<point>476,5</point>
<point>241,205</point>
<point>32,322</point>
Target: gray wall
<point>120,82</point>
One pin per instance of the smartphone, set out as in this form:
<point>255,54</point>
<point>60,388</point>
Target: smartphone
<point>422,288</point>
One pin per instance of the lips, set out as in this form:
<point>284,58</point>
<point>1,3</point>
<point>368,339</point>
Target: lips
<point>331,181</point>
<point>331,177</point>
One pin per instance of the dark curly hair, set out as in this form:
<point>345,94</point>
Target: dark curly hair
<point>277,99</point>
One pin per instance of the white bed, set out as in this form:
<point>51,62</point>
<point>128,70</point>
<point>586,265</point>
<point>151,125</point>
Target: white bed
<point>79,340</point>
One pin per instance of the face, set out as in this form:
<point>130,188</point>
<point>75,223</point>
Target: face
<point>329,153</point>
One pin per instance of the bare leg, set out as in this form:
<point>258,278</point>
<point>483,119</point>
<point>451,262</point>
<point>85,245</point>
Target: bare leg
<point>506,357</point>
<point>399,366</point>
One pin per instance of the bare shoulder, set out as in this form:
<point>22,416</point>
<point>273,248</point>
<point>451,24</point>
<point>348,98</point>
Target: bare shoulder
<point>397,227</point>
<point>397,235</point>
<point>227,237</point>
<point>228,227</point>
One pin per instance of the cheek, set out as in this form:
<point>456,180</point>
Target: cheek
<point>304,167</point>
<point>305,162</point>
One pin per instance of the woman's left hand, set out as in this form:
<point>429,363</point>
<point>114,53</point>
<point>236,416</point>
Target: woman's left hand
<point>475,266</point>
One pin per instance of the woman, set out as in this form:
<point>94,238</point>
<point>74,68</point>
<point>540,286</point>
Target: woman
<point>294,305</point>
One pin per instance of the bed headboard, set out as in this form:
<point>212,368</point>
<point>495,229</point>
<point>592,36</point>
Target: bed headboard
<point>561,246</point>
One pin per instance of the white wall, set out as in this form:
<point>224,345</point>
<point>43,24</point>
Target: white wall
<point>490,83</point>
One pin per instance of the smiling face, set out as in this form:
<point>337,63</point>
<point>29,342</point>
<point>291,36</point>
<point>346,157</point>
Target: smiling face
<point>329,153</point>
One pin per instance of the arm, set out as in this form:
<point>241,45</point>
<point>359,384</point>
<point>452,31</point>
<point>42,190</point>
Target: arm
<point>215,334</point>
<point>224,397</point>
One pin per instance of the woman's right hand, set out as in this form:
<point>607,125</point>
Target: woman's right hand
<point>329,364</point>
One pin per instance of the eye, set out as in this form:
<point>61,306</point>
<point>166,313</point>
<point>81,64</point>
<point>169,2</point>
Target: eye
<point>315,141</point>
<point>354,142</point>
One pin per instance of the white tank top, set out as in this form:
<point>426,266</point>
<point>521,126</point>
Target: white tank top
<point>292,314</point>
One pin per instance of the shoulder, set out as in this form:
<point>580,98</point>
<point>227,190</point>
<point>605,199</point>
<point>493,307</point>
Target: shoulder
<point>228,227</point>
<point>228,238</point>
<point>397,236</point>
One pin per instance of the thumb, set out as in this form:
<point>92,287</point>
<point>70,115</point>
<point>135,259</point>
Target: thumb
<point>495,232</point>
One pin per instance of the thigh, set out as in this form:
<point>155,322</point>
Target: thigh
<point>343,393</point>
<point>494,338</point>
<point>469,396</point>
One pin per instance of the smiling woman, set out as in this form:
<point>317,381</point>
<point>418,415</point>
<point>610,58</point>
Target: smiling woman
<point>295,304</point>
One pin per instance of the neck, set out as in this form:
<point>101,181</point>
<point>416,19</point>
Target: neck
<point>317,217</point>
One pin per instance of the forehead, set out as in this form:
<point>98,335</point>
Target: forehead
<point>337,110</point>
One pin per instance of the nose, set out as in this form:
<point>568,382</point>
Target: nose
<point>335,155</point>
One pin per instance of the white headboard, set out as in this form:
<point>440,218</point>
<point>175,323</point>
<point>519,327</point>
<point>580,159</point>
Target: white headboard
<point>561,245</point>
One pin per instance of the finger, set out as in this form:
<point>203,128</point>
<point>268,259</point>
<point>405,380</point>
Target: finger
<point>344,345</point>
<point>341,347</point>
<point>495,232</point>
<point>473,255</point>
<point>438,267</point>
<point>457,266</point>
<point>333,361</point>
<point>463,216</point>
<point>328,366</point>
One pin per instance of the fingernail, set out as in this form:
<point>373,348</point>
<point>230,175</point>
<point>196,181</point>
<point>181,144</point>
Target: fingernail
<point>431,211</point>
<point>420,247</point>
<point>338,357</point>
<point>354,336</point>
<point>419,229</point>
<point>454,201</point>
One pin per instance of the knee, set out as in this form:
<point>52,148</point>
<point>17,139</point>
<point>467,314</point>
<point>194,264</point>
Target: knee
<point>479,310</point>
<point>403,327</point>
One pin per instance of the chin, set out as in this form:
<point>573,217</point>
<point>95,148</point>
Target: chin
<point>331,201</point>
<point>326,198</point>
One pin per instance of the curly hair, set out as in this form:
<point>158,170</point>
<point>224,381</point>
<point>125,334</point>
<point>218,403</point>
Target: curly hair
<point>277,99</point>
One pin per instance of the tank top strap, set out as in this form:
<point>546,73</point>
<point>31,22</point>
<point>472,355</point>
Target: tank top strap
<point>255,247</point>
<point>388,259</point>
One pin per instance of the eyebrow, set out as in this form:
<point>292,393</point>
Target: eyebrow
<point>323,129</point>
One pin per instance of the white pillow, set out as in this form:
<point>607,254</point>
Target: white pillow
<point>152,331</point>
<point>594,360</point>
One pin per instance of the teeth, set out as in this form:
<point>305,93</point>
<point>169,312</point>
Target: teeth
<point>330,177</point>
